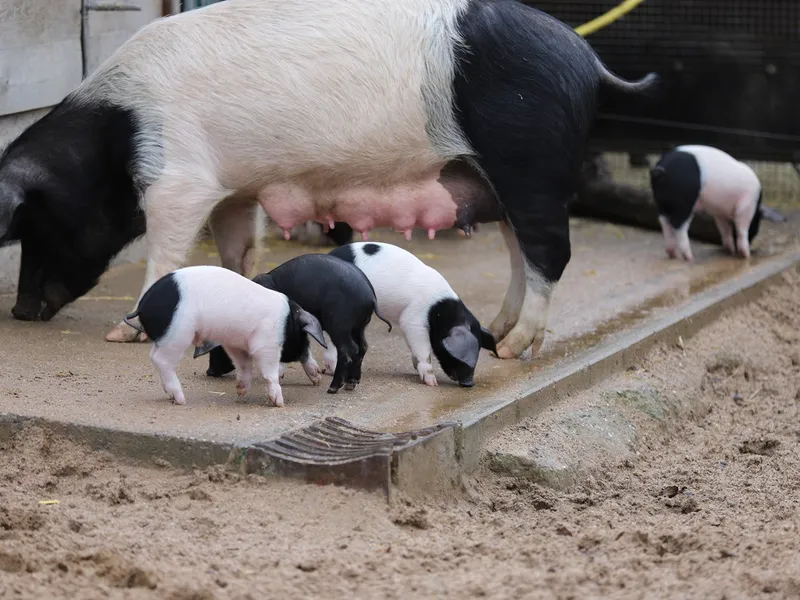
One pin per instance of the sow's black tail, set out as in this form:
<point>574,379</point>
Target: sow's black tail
<point>133,315</point>
<point>648,83</point>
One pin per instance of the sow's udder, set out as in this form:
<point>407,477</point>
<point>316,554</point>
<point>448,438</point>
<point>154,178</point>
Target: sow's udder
<point>432,204</point>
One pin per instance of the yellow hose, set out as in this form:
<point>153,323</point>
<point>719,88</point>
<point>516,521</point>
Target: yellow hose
<point>606,19</point>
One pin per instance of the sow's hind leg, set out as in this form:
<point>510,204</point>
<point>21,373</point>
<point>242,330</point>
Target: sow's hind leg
<point>235,224</point>
<point>535,229</point>
<point>525,92</point>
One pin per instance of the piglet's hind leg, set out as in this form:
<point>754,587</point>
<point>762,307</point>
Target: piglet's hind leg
<point>311,367</point>
<point>742,225</point>
<point>725,229</point>
<point>346,352</point>
<point>244,370</point>
<point>353,377</point>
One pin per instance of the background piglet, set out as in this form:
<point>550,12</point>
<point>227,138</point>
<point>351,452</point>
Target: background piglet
<point>695,178</point>
<point>340,296</point>
<point>253,324</point>
<point>432,316</point>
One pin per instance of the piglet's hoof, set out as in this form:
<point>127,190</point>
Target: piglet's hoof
<point>430,379</point>
<point>275,394</point>
<point>179,401</point>
<point>241,389</point>
<point>124,333</point>
<point>313,372</point>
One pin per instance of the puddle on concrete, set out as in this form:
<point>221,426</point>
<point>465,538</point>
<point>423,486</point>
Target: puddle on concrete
<point>496,384</point>
<point>625,320</point>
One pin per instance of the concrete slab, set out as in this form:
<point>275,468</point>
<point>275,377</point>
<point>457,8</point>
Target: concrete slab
<point>64,371</point>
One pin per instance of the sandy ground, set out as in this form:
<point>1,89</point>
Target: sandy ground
<point>706,508</point>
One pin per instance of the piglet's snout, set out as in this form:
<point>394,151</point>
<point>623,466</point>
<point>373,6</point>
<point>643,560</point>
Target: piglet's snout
<point>468,382</point>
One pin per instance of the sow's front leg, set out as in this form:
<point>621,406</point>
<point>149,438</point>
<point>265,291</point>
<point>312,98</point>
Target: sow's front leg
<point>29,290</point>
<point>176,210</point>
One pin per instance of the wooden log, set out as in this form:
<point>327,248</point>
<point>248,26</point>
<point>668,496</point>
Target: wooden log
<point>600,197</point>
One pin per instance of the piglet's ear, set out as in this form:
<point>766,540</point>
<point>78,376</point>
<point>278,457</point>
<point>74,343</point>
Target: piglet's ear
<point>462,345</point>
<point>487,340</point>
<point>311,326</point>
<point>205,348</point>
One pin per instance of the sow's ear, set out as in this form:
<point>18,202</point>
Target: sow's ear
<point>311,326</point>
<point>487,341</point>
<point>10,200</point>
<point>462,345</point>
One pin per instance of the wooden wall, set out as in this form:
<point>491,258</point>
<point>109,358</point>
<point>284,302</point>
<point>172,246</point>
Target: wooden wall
<point>108,30</point>
<point>40,52</point>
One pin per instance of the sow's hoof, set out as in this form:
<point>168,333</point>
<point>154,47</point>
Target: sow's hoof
<point>334,389</point>
<point>350,386</point>
<point>27,309</point>
<point>124,333</point>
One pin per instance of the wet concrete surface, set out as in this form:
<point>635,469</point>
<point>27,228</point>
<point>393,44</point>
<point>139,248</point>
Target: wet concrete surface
<point>64,370</point>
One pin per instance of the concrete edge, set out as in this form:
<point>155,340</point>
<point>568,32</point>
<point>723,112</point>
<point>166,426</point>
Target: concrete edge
<point>139,448</point>
<point>429,461</point>
<point>618,352</point>
<point>344,455</point>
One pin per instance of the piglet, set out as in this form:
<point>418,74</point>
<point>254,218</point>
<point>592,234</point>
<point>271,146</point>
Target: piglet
<point>339,295</point>
<point>253,325</point>
<point>695,178</point>
<point>430,313</point>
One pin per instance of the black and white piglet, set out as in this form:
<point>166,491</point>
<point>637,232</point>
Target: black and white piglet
<point>340,296</point>
<point>430,313</point>
<point>688,179</point>
<point>252,323</point>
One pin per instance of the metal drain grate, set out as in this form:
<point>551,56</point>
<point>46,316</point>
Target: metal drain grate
<point>334,451</point>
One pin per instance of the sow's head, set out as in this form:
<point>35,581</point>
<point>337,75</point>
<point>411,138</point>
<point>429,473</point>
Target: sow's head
<point>66,193</point>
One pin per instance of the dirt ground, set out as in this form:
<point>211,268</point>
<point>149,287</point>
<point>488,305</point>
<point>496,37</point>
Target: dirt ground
<point>706,508</point>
